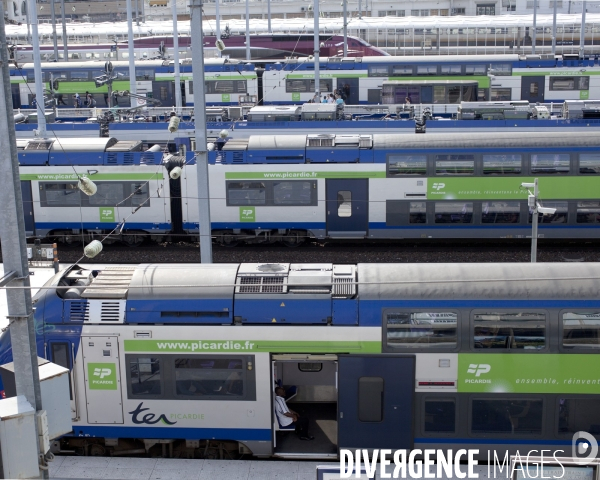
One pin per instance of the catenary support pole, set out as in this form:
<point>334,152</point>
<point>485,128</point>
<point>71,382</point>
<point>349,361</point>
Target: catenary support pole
<point>14,249</point>
<point>218,24</point>
<point>248,55</point>
<point>64,30</point>
<point>177,75</point>
<point>54,39</point>
<point>132,83</point>
<point>534,223</point>
<point>200,121</point>
<point>27,20</point>
<point>582,34</point>
<point>345,3</point>
<point>317,48</point>
<point>534,32</point>
<point>37,70</point>
<point>269,29</point>
<point>554,29</point>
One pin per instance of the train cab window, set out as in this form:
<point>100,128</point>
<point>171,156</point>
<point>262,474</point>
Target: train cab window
<point>454,164</point>
<point>579,414</point>
<point>581,330</point>
<point>454,212</point>
<point>589,164</point>
<point>370,395</point>
<point>344,200</point>
<point>399,165</point>
<point>522,330</point>
<point>246,193</point>
<point>62,356</point>
<point>109,193</point>
<point>550,163</point>
<point>588,212</point>
<point>501,212</point>
<point>506,416</point>
<point>144,377</point>
<point>502,164</point>
<point>439,416</point>
<point>421,329</point>
<point>214,377</point>
<point>559,216</point>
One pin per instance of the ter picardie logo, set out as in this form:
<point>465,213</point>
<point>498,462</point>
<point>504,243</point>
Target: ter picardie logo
<point>461,463</point>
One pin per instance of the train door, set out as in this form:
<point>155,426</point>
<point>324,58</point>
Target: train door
<point>61,353</point>
<point>310,385</point>
<point>102,379</point>
<point>27,207</point>
<point>349,86</point>
<point>533,88</point>
<point>347,207</point>
<point>375,401</point>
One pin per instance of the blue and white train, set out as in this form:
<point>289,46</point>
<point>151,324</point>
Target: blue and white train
<point>291,188</point>
<point>493,357</point>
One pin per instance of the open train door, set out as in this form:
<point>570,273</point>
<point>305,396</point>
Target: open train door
<point>375,401</point>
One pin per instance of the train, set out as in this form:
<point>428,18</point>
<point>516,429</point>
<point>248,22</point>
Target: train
<point>492,357</point>
<point>261,47</point>
<point>369,80</point>
<point>291,188</point>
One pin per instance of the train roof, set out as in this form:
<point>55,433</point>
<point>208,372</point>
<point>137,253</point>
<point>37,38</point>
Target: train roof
<point>99,65</point>
<point>478,281</point>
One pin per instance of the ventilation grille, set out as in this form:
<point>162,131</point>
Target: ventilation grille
<point>105,311</point>
<point>320,142</point>
<point>366,141</point>
<point>147,158</point>
<point>111,159</point>
<point>110,312</point>
<point>238,157</point>
<point>343,287</point>
<point>78,311</point>
<point>39,145</point>
<point>128,159</point>
<point>261,285</point>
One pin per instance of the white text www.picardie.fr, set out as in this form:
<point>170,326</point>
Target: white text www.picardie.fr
<point>204,345</point>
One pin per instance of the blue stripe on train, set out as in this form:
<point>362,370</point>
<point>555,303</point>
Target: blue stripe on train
<point>239,434</point>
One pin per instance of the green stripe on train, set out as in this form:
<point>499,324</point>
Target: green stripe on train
<point>71,177</point>
<point>508,188</point>
<point>523,373</point>
<point>254,346</point>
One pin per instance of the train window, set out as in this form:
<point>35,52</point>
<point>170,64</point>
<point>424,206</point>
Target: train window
<point>560,216</point>
<point>379,70</point>
<point>426,69</point>
<point>440,416</point>
<point>500,94</point>
<point>246,193</point>
<point>475,70</point>
<point>521,330</point>
<point>59,195</point>
<point>370,395</point>
<point>579,414</point>
<point>501,164</point>
<point>501,212</point>
<point>144,377</point>
<point>501,69</point>
<point>454,164</point>
<point>417,212</point>
<point>454,94</point>
<point>588,212</point>
<point>109,193</point>
<point>325,85</point>
<point>164,93</point>
<point>294,192</point>
<point>62,356</point>
<point>439,94</point>
<point>589,163</point>
<point>551,163</point>
<point>79,76</point>
<point>344,198</point>
<point>454,212</point>
<point>451,70</point>
<point>581,330</point>
<point>570,83</point>
<point>421,329</point>
<point>219,377</point>
<point>511,417</point>
<point>293,85</point>
<point>407,165</point>
<point>310,367</point>
<point>402,70</point>
<point>534,89</point>
<point>139,194</point>
<point>122,73</point>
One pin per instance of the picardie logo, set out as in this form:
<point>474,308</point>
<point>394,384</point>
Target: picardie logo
<point>479,369</point>
<point>438,186</point>
<point>102,372</point>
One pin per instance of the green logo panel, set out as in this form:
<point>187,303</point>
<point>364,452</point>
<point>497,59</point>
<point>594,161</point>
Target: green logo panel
<point>247,214</point>
<point>295,97</point>
<point>107,214</point>
<point>584,94</point>
<point>225,97</point>
<point>537,373</point>
<point>102,376</point>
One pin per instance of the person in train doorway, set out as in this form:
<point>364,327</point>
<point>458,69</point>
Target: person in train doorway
<point>76,101</point>
<point>286,417</point>
<point>60,100</point>
<point>346,92</point>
